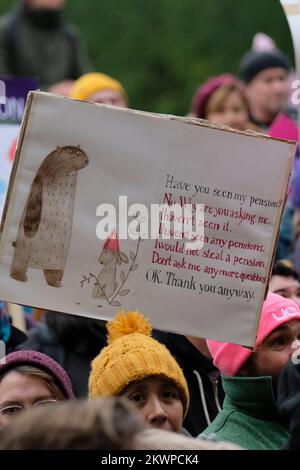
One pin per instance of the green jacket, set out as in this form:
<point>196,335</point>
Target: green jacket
<point>31,47</point>
<point>249,416</point>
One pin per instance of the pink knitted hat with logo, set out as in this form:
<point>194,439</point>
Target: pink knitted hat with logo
<point>229,357</point>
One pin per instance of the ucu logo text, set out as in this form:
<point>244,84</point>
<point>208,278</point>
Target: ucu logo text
<point>286,313</point>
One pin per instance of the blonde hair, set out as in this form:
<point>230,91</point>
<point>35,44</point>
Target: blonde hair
<point>50,381</point>
<point>218,98</point>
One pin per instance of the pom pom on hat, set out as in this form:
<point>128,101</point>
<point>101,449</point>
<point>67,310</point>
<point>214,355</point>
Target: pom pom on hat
<point>133,355</point>
<point>127,324</point>
<point>263,43</point>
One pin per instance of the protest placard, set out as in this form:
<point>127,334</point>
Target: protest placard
<point>77,162</point>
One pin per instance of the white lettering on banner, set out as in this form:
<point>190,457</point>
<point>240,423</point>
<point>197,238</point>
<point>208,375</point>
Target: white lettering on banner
<point>2,92</point>
<point>13,109</point>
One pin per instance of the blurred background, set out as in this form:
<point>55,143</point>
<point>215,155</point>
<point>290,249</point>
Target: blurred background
<point>161,50</point>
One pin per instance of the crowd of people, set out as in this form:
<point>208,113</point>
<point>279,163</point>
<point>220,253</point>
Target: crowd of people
<point>70,382</point>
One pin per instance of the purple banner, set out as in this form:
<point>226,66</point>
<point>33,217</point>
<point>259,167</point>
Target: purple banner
<point>16,90</point>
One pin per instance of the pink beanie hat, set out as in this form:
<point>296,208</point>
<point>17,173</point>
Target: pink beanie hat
<point>41,361</point>
<point>229,357</point>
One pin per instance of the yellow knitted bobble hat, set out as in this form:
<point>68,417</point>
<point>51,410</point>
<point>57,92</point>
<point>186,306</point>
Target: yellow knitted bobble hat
<point>133,355</point>
<point>93,82</point>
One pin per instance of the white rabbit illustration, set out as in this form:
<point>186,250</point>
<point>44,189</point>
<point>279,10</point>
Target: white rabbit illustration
<point>109,257</point>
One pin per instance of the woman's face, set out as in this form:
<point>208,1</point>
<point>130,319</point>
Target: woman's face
<point>232,112</point>
<point>158,401</point>
<point>111,97</point>
<point>19,392</point>
<point>277,350</point>
<point>47,4</point>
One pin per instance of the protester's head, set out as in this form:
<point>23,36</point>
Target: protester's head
<point>30,378</point>
<point>278,330</point>
<point>265,74</point>
<point>103,424</point>
<point>284,281</point>
<point>222,100</point>
<point>62,88</point>
<point>110,423</point>
<point>140,368</point>
<point>99,88</point>
<point>46,4</point>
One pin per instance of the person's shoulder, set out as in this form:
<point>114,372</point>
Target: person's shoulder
<point>215,428</point>
<point>229,426</point>
<point>230,422</point>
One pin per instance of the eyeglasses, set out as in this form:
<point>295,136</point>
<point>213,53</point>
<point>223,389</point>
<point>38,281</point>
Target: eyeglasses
<point>13,410</point>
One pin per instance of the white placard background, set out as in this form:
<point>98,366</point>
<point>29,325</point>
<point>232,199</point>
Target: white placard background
<point>131,154</point>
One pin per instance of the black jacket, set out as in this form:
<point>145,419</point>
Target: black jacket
<point>206,393</point>
<point>288,399</point>
<point>16,337</point>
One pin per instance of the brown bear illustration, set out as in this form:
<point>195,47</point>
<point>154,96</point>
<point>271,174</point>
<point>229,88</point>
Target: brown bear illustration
<point>45,228</point>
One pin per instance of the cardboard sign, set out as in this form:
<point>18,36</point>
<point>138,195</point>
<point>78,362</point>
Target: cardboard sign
<point>76,158</point>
